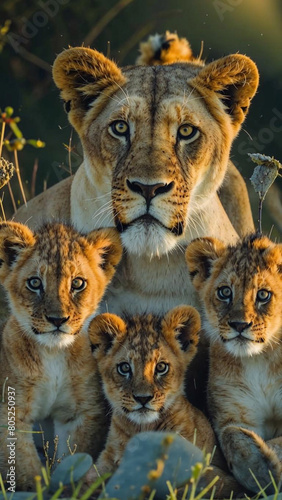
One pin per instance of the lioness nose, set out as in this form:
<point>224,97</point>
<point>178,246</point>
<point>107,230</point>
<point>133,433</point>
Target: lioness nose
<point>57,321</point>
<point>142,399</point>
<point>149,191</point>
<point>239,326</point>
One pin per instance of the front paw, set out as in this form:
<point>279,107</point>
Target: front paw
<point>91,476</point>
<point>246,451</point>
<point>26,482</point>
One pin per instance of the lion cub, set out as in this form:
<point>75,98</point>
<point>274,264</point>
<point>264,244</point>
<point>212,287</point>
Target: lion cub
<point>54,279</point>
<point>241,289</point>
<point>142,361</point>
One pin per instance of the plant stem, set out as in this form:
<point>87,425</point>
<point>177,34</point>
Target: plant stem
<point>33,178</point>
<point>2,137</point>
<point>102,23</point>
<point>69,150</point>
<point>12,197</point>
<point>2,210</point>
<point>19,175</point>
<point>260,215</point>
<point>34,59</point>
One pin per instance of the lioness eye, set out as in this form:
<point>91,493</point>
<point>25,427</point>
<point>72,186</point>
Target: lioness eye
<point>119,127</point>
<point>34,283</point>
<point>162,368</point>
<point>263,296</point>
<point>78,284</point>
<point>188,132</point>
<point>124,369</point>
<point>224,293</point>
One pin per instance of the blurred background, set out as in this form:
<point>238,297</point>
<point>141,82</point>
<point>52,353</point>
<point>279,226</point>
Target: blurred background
<point>32,33</point>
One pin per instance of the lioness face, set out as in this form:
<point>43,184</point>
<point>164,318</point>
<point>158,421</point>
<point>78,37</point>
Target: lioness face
<point>156,139</point>
<point>142,360</point>
<point>166,155</point>
<point>55,277</point>
<point>241,290</point>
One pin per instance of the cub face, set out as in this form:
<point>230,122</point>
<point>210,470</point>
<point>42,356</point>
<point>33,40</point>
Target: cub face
<point>55,277</point>
<point>241,290</point>
<point>156,139</point>
<point>142,360</point>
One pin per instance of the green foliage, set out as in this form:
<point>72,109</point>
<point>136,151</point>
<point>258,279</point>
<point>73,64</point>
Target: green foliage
<point>70,470</point>
<point>155,466</point>
<point>3,32</point>
<point>65,481</point>
<point>14,144</point>
<point>151,461</point>
<point>17,143</point>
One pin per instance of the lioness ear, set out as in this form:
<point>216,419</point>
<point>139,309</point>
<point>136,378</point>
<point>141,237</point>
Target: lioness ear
<point>235,80</point>
<point>107,243</point>
<point>200,255</point>
<point>14,238</point>
<point>184,323</point>
<point>103,330</point>
<point>84,76</point>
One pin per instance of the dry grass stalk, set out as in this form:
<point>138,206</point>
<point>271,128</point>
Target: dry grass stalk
<point>19,175</point>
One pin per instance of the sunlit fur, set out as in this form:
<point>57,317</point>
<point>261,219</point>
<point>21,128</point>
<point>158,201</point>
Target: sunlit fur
<point>245,380</point>
<point>155,102</point>
<point>165,49</point>
<point>143,342</point>
<point>151,151</point>
<point>48,363</point>
<point>247,268</point>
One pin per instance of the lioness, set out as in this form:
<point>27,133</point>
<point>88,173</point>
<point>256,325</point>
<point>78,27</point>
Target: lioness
<point>156,143</point>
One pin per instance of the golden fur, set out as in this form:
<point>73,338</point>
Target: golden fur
<point>241,290</point>
<point>142,361</point>
<point>156,143</point>
<point>165,49</point>
<point>54,279</point>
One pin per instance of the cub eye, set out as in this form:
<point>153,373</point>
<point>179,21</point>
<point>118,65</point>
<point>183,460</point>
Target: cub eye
<point>162,368</point>
<point>120,128</point>
<point>186,132</point>
<point>263,296</point>
<point>78,284</point>
<point>124,369</point>
<point>224,293</point>
<point>34,283</point>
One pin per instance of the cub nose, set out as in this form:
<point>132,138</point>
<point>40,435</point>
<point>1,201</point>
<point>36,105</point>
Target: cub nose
<point>143,400</point>
<point>149,191</point>
<point>239,326</point>
<point>57,321</point>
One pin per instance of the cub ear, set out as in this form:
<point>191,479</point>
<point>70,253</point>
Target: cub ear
<point>271,252</point>
<point>14,238</point>
<point>103,330</point>
<point>107,243</point>
<point>84,75</point>
<point>200,255</point>
<point>184,324</point>
<point>235,80</point>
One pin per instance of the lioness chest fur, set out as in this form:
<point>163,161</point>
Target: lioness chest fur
<point>241,290</point>
<point>54,280</point>
<point>156,144</point>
